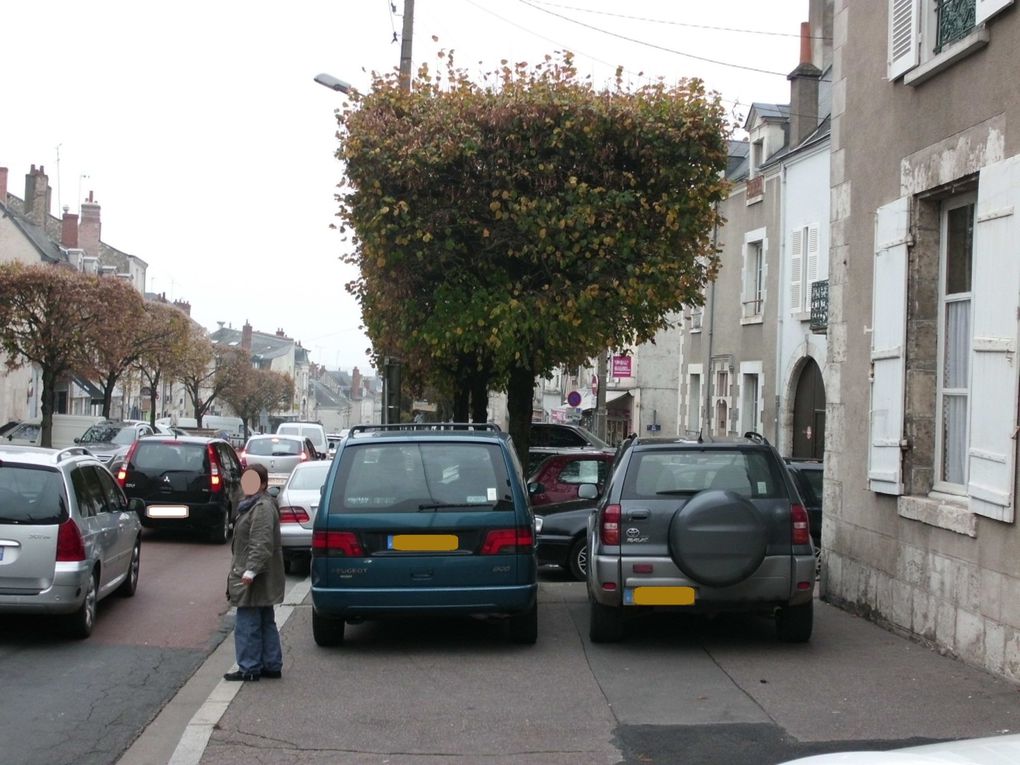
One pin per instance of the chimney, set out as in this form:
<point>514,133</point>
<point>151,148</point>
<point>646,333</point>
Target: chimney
<point>355,385</point>
<point>184,306</point>
<point>90,227</point>
<point>3,186</point>
<point>69,230</point>
<point>37,195</point>
<point>246,336</point>
<point>280,332</point>
<point>803,91</point>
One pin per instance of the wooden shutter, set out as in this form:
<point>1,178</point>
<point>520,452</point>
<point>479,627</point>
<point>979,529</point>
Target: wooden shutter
<point>987,8</point>
<point>903,36</point>
<point>993,386</point>
<point>796,270</point>
<point>812,259</point>
<point>888,347</point>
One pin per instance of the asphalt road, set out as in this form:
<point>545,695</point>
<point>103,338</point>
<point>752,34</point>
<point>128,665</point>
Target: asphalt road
<point>678,690</point>
<point>84,702</point>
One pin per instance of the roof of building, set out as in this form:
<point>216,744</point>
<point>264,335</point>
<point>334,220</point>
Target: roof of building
<point>48,249</point>
<point>263,345</point>
<point>327,399</point>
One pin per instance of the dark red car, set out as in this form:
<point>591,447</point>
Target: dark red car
<point>553,484</point>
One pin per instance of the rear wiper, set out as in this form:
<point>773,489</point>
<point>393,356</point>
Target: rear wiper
<point>673,492</point>
<point>442,506</point>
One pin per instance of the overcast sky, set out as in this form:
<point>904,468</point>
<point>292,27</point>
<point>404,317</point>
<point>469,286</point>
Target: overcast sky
<point>199,129</point>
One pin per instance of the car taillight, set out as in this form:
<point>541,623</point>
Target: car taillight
<point>243,458</point>
<point>122,471</point>
<point>499,541</point>
<point>293,515</point>
<point>70,546</point>
<point>801,526</point>
<point>215,481</point>
<point>336,543</point>
<point>609,525</point>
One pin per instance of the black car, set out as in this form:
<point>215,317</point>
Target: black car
<point>545,434</point>
<point>563,542</point>
<point>188,483</point>
<point>807,474</point>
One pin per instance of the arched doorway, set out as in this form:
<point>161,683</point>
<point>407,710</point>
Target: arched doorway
<point>809,413</point>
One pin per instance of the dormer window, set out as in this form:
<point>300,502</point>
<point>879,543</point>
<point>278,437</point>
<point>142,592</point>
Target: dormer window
<point>757,156</point>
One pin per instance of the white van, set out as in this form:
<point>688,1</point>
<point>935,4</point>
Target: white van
<point>233,425</point>
<point>313,431</point>
<point>66,428</point>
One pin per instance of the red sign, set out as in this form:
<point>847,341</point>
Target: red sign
<point>621,366</point>
<point>595,385</point>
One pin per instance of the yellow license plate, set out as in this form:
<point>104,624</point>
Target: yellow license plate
<point>424,542</point>
<point>663,596</point>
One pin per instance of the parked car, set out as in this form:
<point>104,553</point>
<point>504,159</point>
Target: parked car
<point>66,428</point>
<point>68,535</point>
<point>279,454</point>
<point>110,440</point>
<point>298,500</point>
<point>807,475</point>
<point>313,431</point>
<point>563,540</point>
<point>990,750</point>
<point>9,425</point>
<point>701,526</point>
<point>333,441</point>
<point>562,435</point>
<point>424,520</point>
<point>553,485</point>
<point>189,483</point>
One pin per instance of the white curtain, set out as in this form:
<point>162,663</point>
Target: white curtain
<point>955,371</point>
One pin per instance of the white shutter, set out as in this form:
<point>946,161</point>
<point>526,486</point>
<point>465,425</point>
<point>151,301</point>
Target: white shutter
<point>796,278</point>
<point>988,8</point>
<point>903,36</point>
<point>888,347</point>
<point>812,258</point>
<point>993,368</point>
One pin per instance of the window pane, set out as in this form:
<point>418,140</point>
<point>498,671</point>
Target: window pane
<point>959,248</point>
<point>956,344</point>
<point>954,438</point>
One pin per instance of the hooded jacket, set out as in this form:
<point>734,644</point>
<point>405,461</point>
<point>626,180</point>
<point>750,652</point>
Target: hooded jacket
<point>257,548</point>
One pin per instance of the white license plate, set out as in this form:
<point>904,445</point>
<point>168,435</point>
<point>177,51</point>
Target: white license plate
<point>277,480</point>
<point>167,511</point>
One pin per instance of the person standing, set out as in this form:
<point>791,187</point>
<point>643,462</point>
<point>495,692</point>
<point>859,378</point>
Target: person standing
<point>256,581</point>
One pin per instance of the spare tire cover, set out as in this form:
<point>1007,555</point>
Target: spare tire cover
<point>718,538</point>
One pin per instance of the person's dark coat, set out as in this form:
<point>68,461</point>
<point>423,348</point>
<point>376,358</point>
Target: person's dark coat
<point>257,548</point>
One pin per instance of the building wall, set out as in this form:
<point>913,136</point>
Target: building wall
<point>926,565</point>
<point>19,391</point>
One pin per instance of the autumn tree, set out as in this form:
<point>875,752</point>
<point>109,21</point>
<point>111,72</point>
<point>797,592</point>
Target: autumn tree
<point>505,228</point>
<point>163,360</point>
<point>47,315</point>
<point>206,370</point>
<point>250,390</point>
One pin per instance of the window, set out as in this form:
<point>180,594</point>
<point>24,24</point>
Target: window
<point>694,403</point>
<point>754,267</point>
<point>750,400</point>
<point>803,266</point>
<point>954,341</point>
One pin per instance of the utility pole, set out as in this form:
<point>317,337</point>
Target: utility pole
<point>405,46</point>
<point>601,414</point>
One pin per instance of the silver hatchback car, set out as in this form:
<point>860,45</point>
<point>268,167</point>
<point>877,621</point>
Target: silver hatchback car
<point>279,455</point>
<point>68,535</point>
<point>298,501</point>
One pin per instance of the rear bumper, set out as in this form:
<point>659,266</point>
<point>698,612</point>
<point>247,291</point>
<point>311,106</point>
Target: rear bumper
<point>369,602</point>
<point>296,541</point>
<point>63,596</point>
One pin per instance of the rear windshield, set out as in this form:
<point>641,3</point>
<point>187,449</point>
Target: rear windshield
<point>101,434</point>
<point>311,477</point>
<point>421,477</point>
<point>31,495</point>
<point>162,457</point>
<point>656,474</point>
<point>812,483</point>
<point>273,447</point>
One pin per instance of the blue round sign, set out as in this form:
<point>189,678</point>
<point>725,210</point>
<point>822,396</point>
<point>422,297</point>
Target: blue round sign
<point>574,398</point>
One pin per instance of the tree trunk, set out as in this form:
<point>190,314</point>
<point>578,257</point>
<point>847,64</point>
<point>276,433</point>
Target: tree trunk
<point>108,385</point>
<point>460,404</point>
<point>49,400</point>
<point>479,385</point>
<point>520,392</point>
<point>153,387</point>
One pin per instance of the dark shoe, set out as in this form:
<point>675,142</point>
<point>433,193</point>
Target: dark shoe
<point>272,674</point>
<point>239,675</point>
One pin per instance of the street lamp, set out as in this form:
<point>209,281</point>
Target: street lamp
<point>334,83</point>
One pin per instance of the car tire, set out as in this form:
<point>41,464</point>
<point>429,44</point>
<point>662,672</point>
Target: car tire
<point>577,559</point>
<point>605,623</point>
<point>80,623</point>
<point>718,538</point>
<point>794,623</point>
<point>221,533</point>
<point>327,632</point>
<point>301,566</point>
<point>129,586</point>
<point>524,626</point>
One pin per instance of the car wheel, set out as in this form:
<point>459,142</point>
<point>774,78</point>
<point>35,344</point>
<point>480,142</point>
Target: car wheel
<point>524,626</point>
<point>794,623</point>
<point>605,623</point>
<point>326,631</point>
<point>577,559</point>
<point>718,538</point>
<point>81,622</point>
<point>130,584</point>
<point>221,533</point>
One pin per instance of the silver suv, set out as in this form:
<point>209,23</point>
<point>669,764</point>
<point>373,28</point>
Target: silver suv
<point>68,535</point>
<point>700,526</point>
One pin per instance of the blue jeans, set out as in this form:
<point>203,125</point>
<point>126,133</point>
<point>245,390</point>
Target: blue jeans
<point>257,640</point>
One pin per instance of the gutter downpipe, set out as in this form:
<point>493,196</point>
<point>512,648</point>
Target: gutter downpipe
<point>707,373</point>
<point>782,310</point>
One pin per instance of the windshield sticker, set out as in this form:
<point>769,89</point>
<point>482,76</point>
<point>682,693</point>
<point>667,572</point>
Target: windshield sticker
<point>491,494</point>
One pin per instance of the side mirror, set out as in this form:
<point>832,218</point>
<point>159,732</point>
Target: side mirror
<point>535,488</point>
<point>588,491</point>
<point>77,440</point>
<point>274,491</point>
<point>538,524</point>
<point>136,505</point>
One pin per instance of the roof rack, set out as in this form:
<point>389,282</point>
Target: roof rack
<point>425,426</point>
<point>758,438</point>
<point>72,451</point>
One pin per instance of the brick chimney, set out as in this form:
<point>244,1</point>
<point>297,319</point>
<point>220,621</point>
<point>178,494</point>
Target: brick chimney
<point>356,385</point>
<point>69,230</point>
<point>37,195</point>
<point>90,227</point>
<point>246,336</point>
<point>280,332</point>
<point>184,306</point>
<point>3,186</point>
<point>803,91</point>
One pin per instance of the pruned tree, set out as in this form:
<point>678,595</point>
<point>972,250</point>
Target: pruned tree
<point>506,228</point>
<point>163,360</point>
<point>47,315</point>
<point>250,390</point>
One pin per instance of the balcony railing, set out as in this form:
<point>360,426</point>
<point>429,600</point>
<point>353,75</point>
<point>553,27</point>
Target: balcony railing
<point>755,189</point>
<point>752,307</point>
<point>820,306</point>
<point>955,21</point>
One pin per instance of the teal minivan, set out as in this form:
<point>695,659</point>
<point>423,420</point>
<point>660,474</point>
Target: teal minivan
<point>424,519</point>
